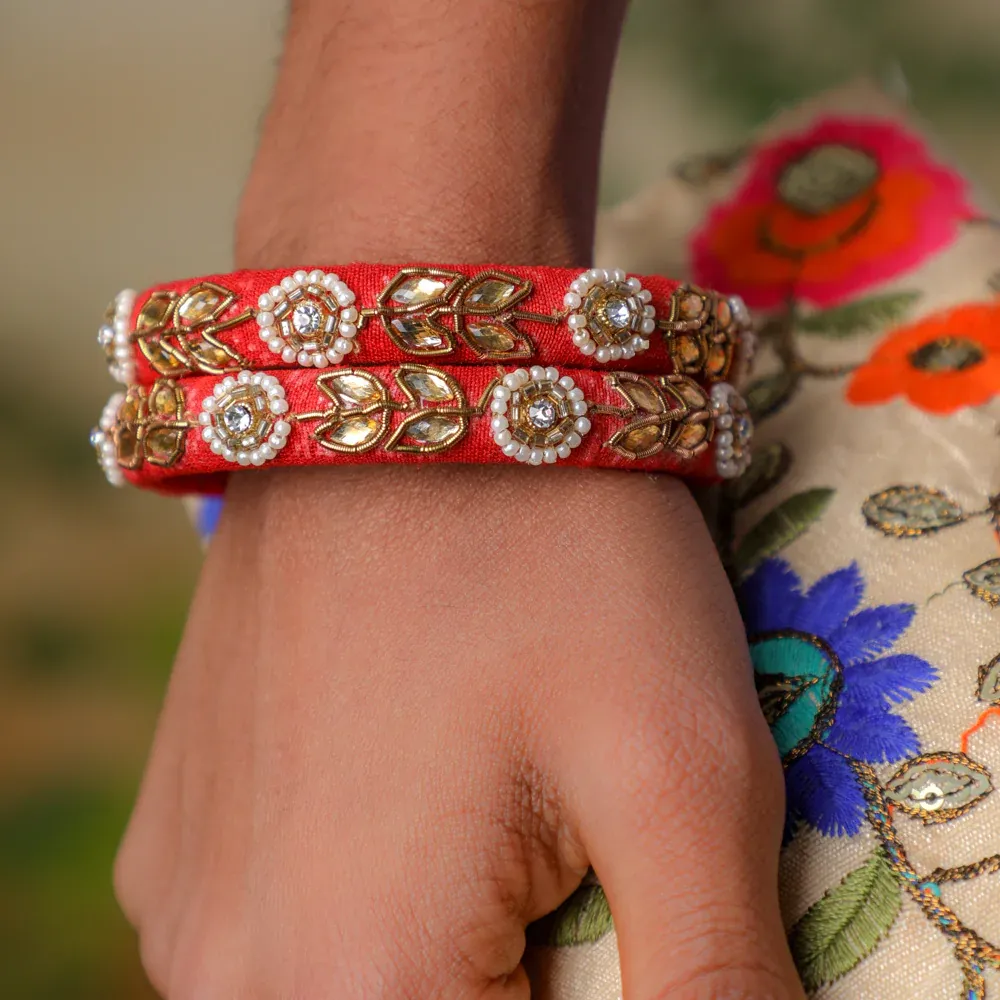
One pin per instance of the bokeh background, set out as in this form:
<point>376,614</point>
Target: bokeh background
<point>126,128</point>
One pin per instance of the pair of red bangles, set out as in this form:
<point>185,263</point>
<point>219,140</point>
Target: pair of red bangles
<point>376,363</point>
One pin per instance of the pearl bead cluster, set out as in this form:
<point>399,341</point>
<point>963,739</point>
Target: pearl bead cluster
<point>102,437</point>
<point>556,395</point>
<point>319,290</point>
<point>733,431</point>
<point>260,395</point>
<point>586,334</point>
<point>114,338</point>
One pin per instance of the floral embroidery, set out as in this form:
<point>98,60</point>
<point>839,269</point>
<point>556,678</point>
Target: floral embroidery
<point>940,364</point>
<point>826,687</point>
<point>842,206</point>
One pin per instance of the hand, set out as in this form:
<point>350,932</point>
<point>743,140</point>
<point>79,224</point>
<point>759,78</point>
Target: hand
<point>412,705</point>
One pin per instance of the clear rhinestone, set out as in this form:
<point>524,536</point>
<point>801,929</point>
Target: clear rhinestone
<point>306,318</point>
<point>618,313</point>
<point>237,418</point>
<point>542,414</point>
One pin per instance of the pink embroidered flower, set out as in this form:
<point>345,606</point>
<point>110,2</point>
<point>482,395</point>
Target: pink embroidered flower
<point>846,204</point>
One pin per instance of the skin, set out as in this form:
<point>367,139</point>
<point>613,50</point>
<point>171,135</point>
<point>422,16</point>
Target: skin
<point>412,705</point>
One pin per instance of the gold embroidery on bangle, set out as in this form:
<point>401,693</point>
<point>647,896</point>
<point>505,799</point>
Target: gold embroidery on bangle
<point>358,419</point>
<point>664,412</point>
<point>431,428</point>
<point>178,334</point>
<point>150,425</point>
<point>417,303</point>
<point>702,331</point>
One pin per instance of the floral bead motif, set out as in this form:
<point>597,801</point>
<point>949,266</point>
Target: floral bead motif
<point>538,416</point>
<point>242,419</point>
<point>113,336</point>
<point>309,318</point>
<point>610,316</point>
<point>102,437</point>
<point>733,431</point>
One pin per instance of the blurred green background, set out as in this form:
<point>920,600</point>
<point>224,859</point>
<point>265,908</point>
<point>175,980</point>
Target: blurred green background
<point>127,127</point>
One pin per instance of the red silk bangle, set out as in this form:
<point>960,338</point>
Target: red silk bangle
<point>371,314</point>
<point>183,435</point>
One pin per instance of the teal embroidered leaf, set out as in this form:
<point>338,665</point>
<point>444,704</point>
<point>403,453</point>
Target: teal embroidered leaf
<point>907,511</point>
<point>861,316</point>
<point>845,925</point>
<point>780,528</point>
<point>767,395</point>
<point>768,468</point>
<point>582,919</point>
<point>984,582</point>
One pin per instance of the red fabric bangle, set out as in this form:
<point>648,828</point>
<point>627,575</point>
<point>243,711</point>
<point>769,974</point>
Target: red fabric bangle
<point>184,435</point>
<point>372,314</point>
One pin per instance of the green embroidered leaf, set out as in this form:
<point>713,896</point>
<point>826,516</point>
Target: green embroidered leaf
<point>984,582</point>
<point>768,468</point>
<point>862,316</point>
<point>845,925</point>
<point>767,395</point>
<point>582,919</point>
<point>780,528</point>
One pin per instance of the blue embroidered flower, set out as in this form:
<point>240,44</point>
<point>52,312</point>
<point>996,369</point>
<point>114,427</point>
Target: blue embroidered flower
<point>826,688</point>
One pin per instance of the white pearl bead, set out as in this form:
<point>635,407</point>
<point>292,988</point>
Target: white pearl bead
<point>566,382</point>
<point>276,441</point>
<point>217,447</point>
<point>229,455</point>
<point>573,439</point>
<point>552,374</point>
<point>205,419</point>
<point>268,382</point>
<point>256,378</point>
<point>334,357</point>
<point>501,392</point>
<point>315,277</point>
<point>604,354</point>
<point>523,452</point>
<point>267,452</point>
<point>723,452</point>
<point>502,438</point>
<point>256,457</point>
<point>511,449</point>
<point>628,353</point>
<point>289,284</point>
<point>576,394</point>
<point>243,457</point>
<point>634,284</point>
<point>537,373</point>
<point>208,434</point>
<point>348,330</point>
<point>645,295</point>
<point>522,376</point>
<point>617,274</point>
<point>265,301</point>
<point>349,315</point>
<point>208,403</point>
<point>276,292</point>
<point>278,406</point>
<point>498,406</point>
<point>320,360</point>
<point>563,450</point>
<point>616,352</point>
<point>267,333</point>
<point>244,377</point>
<point>304,358</point>
<point>282,428</point>
<point>300,277</point>
<point>288,354</point>
<point>228,382</point>
<point>571,300</point>
<point>276,346</point>
<point>649,312</point>
<point>499,423</point>
<point>578,409</point>
<point>218,390</point>
<point>648,326</point>
<point>581,337</point>
<point>724,439</point>
<point>511,381</point>
<point>579,287</point>
<point>576,321</point>
<point>724,421</point>
<point>581,425</point>
<point>549,456</point>
<point>342,345</point>
<point>589,348</point>
<point>536,456</point>
<point>345,297</point>
<point>265,319</point>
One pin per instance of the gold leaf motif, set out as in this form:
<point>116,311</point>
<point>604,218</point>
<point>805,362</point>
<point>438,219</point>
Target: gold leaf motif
<point>163,445</point>
<point>491,338</point>
<point>687,351</point>
<point>352,389</point>
<point>428,431</point>
<point>211,356</point>
<point>127,444</point>
<point>691,436</point>
<point>493,292</point>
<point>717,362</point>
<point>130,410</point>
<point>641,393</point>
<point>420,335</point>
<point>351,432</point>
<point>155,312</point>
<point>163,360</point>
<point>202,303</point>
<point>639,440</point>
<point>166,401</point>
<point>690,393</point>
<point>419,290</point>
<point>427,385</point>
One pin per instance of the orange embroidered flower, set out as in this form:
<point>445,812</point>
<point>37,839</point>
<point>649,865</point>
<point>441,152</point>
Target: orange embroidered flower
<point>946,361</point>
<point>821,215</point>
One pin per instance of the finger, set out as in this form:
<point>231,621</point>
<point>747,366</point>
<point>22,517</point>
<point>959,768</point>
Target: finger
<point>684,833</point>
